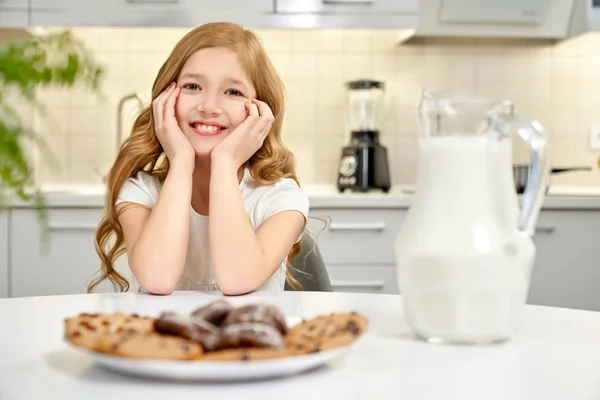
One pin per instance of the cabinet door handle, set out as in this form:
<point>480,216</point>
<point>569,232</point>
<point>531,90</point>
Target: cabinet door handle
<point>359,2</point>
<point>58,226</point>
<point>152,1</point>
<point>357,226</point>
<point>359,284</point>
<point>545,229</point>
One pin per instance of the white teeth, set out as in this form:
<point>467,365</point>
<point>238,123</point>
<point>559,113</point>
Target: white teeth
<point>206,128</point>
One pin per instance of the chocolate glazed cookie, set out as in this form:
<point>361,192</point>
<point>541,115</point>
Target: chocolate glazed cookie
<point>262,313</point>
<point>193,328</point>
<point>215,312</point>
<point>244,335</point>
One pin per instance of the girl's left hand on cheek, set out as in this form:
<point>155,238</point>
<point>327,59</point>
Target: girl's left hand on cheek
<point>248,137</point>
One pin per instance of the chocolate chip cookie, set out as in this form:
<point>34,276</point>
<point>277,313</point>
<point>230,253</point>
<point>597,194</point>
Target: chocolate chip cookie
<point>85,330</point>
<point>152,345</point>
<point>245,354</point>
<point>325,332</point>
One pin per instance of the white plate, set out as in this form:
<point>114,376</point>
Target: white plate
<point>215,370</point>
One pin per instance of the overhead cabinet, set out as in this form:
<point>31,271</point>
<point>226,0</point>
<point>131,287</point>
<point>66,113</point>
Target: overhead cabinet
<point>119,6</point>
<point>285,14</point>
<point>13,5</point>
<point>362,7</point>
<point>13,13</point>
<point>13,18</point>
<point>594,15</point>
<point>187,13</point>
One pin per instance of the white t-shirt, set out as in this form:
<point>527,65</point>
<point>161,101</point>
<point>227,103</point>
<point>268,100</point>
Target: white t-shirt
<point>261,202</point>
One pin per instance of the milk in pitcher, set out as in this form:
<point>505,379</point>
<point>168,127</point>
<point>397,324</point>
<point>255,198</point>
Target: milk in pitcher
<point>463,268</point>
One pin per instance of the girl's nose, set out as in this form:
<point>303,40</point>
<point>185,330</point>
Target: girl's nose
<point>209,105</point>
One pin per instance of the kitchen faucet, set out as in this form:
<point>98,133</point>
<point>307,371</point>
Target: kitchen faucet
<point>119,138</point>
<point>120,106</point>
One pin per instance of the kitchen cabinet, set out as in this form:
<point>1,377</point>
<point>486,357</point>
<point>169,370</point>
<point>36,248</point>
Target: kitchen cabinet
<point>13,5</point>
<point>344,14</point>
<point>363,279</point>
<point>116,6</point>
<point>567,267</point>
<point>360,7</point>
<point>142,12</point>
<point>13,18</point>
<point>68,261</point>
<point>4,221</point>
<point>357,248</point>
<point>593,13</point>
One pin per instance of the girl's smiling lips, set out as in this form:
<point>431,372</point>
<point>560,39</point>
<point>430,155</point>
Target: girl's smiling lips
<point>207,128</point>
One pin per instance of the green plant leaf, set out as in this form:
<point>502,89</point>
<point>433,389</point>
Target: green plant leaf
<point>57,59</point>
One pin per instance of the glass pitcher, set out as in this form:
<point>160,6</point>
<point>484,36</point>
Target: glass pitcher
<point>464,253</point>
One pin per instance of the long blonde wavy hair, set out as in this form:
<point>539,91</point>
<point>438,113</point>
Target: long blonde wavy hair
<point>141,151</point>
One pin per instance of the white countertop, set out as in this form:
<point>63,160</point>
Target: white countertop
<point>327,196</point>
<point>555,355</point>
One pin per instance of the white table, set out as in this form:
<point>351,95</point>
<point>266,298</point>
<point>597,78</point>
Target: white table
<point>556,355</point>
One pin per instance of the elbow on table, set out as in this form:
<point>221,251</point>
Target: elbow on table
<point>234,290</point>
<point>159,290</point>
<point>233,284</point>
<point>162,286</point>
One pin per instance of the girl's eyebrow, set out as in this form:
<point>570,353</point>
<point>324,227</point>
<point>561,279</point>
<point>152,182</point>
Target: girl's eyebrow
<point>234,81</point>
<point>230,80</point>
<point>192,75</point>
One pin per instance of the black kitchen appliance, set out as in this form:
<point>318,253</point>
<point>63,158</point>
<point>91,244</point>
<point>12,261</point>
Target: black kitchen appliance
<point>521,174</point>
<point>364,163</point>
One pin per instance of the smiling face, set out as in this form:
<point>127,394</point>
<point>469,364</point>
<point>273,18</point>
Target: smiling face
<point>214,90</point>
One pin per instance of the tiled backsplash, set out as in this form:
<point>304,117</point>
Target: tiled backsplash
<point>558,84</point>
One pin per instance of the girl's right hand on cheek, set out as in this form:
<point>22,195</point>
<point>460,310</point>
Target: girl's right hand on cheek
<point>168,132</point>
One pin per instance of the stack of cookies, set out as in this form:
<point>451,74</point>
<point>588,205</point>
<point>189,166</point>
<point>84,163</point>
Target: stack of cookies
<point>216,331</point>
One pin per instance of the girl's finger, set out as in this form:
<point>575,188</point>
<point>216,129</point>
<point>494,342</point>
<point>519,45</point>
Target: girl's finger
<point>158,105</point>
<point>169,108</point>
<point>262,128</point>
<point>253,110</point>
<point>251,120</point>
<point>267,130</point>
<point>263,108</point>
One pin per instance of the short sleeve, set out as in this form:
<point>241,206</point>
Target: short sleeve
<point>142,189</point>
<point>285,195</point>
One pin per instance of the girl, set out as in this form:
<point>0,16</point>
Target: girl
<point>203,194</point>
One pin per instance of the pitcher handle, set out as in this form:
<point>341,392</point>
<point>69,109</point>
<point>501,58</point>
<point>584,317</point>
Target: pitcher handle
<point>536,138</point>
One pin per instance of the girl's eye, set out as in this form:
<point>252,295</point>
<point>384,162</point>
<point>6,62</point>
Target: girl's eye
<point>234,92</point>
<point>191,86</point>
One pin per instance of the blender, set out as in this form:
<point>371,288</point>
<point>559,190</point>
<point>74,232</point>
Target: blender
<point>364,165</point>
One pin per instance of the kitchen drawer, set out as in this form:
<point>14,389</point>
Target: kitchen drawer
<point>364,279</point>
<point>357,236</point>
